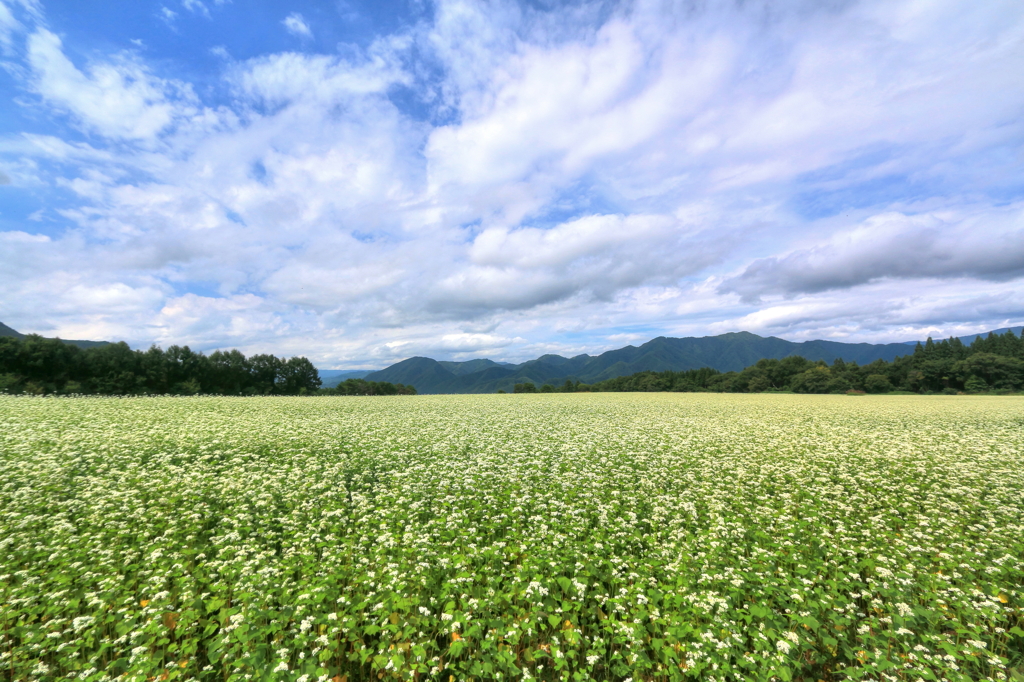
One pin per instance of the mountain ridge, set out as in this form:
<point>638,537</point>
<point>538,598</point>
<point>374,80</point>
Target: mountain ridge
<point>730,352</point>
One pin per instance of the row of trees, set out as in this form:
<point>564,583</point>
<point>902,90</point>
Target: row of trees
<point>689,380</point>
<point>39,365</point>
<point>995,363</point>
<point>364,387</point>
<point>989,364</point>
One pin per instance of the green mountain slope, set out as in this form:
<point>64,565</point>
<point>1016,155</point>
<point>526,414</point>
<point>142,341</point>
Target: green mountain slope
<point>7,331</point>
<point>468,367</point>
<point>727,352</point>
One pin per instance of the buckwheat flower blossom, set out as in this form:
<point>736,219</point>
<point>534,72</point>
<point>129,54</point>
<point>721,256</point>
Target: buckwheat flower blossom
<point>356,534</point>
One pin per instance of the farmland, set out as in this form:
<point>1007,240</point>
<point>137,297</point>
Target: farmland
<point>554,537</point>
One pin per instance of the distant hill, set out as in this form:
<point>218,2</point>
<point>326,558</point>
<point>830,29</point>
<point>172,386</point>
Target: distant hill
<point>332,377</point>
<point>7,331</point>
<point>727,352</point>
<point>968,340</point>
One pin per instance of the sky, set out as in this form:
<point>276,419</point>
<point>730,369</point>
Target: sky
<point>360,183</point>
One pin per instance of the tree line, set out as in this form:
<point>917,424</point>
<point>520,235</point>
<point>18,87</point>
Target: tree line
<point>39,365</point>
<point>991,364</point>
<point>364,387</point>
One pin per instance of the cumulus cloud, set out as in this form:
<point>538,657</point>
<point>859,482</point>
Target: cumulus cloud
<point>989,245</point>
<point>594,255</point>
<point>297,26</point>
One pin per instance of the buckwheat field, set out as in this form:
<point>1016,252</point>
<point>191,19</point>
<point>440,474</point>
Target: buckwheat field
<point>553,537</point>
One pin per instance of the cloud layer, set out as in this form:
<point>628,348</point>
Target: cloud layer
<point>494,178</point>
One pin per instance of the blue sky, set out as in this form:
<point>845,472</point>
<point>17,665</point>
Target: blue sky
<point>364,182</point>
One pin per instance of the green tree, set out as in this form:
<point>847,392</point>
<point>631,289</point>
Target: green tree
<point>296,375</point>
<point>976,385</point>
<point>997,371</point>
<point>814,380</point>
<point>759,383</point>
<point>838,385</point>
<point>877,383</point>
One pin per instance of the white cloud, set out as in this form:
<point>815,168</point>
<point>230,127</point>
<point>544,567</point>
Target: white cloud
<point>289,77</point>
<point>297,26</point>
<point>8,26</point>
<point>899,246</point>
<point>196,7</point>
<point>116,99</point>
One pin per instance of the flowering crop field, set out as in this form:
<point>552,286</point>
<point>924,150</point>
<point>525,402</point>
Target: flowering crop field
<point>551,536</point>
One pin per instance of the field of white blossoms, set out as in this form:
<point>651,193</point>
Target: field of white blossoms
<point>555,537</point>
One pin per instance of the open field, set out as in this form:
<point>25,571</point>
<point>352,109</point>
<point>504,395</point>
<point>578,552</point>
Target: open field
<point>605,536</point>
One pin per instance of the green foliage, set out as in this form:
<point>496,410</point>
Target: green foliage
<point>690,380</point>
<point>525,387</point>
<point>36,365</point>
<point>946,367</point>
<point>877,383</point>
<point>815,380</point>
<point>655,537</point>
<point>976,384</point>
<point>364,387</point>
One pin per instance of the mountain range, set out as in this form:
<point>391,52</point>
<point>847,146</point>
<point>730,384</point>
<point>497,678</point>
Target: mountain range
<point>727,353</point>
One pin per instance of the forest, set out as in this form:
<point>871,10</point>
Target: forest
<point>38,365</point>
<point>992,364</point>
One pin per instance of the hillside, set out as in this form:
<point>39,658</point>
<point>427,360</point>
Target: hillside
<point>727,352</point>
<point>7,331</point>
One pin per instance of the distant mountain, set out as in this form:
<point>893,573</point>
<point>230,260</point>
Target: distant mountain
<point>7,331</point>
<point>332,377</point>
<point>470,366</point>
<point>727,352</point>
<point>968,340</point>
